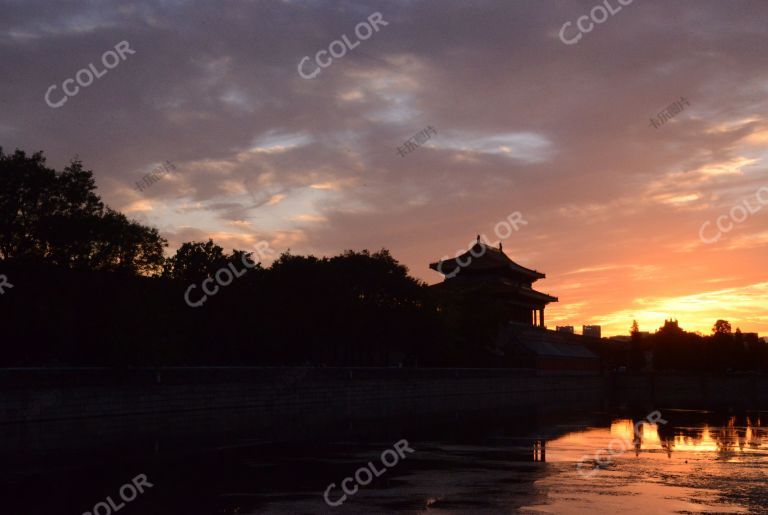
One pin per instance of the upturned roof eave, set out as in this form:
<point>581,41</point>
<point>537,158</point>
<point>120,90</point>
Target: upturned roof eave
<point>450,264</point>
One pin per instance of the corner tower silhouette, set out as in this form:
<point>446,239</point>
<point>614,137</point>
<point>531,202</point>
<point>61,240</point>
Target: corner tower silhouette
<point>488,271</point>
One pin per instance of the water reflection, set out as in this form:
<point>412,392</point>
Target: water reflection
<point>743,435</point>
<point>737,435</point>
<point>698,461</point>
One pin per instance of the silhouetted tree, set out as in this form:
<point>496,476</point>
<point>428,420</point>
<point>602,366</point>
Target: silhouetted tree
<point>636,348</point>
<point>61,248</point>
<point>721,327</point>
<point>56,218</point>
<point>355,307</point>
<point>194,261</point>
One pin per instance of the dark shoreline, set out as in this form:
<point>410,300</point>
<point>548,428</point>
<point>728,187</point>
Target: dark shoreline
<point>164,421</point>
<point>49,394</point>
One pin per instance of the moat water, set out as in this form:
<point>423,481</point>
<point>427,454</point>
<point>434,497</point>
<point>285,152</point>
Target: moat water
<point>531,461</point>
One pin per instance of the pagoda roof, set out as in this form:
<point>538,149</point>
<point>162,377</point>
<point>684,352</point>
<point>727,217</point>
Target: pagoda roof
<point>489,258</point>
<point>497,286</point>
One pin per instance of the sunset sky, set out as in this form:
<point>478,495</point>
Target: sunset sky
<point>525,123</point>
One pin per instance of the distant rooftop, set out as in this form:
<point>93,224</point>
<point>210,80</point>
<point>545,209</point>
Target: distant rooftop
<point>483,257</point>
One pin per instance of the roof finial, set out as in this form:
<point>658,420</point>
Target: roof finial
<point>478,238</point>
<point>500,246</point>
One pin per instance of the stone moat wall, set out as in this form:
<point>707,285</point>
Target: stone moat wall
<point>30,395</point>
<point>48,411</point>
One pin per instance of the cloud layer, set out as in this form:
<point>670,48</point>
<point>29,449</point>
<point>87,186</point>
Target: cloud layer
<point>524,123</point>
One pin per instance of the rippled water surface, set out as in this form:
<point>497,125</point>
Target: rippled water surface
<point>596,462</point>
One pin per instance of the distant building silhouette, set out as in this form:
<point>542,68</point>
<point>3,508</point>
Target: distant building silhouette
<point>545,350</point>
<point>488,268</point>
<point>484,276</point>
<point>564,329</point>
<point>591,331</point>
<point>670,324</point>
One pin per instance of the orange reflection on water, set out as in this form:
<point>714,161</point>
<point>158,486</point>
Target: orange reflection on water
<point>649,436</point>
<point>623,428</point>
<point>615,468</point>
<point>644,434</point>
<point>725,440</point>
<point>621,437</point>
<point>688,443</point>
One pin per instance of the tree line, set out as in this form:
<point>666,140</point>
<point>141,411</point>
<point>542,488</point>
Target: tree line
<point>92,287</point>
<point>671,348</point>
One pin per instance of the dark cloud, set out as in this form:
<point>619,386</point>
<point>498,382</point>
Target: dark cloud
<point>525,123</point>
